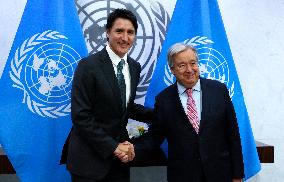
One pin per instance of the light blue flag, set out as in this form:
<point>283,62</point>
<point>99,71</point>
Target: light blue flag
<point>35,89</point>
<point>200,24</point>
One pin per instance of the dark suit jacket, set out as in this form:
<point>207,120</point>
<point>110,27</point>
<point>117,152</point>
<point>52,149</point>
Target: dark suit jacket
<point>99,121</point>
<point>215,152</point>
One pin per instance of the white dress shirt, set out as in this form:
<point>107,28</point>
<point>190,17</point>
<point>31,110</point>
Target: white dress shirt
<point>115,59</point>
<point>196,94</point>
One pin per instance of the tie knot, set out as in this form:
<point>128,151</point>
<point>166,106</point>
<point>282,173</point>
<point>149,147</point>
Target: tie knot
<point>120,64</point>
<point>189,92</point>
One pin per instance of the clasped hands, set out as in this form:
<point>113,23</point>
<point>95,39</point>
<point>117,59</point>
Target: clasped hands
<point>125,152</point>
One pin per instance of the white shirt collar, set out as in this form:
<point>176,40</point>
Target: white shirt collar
<point>182,89</point>
<point>113,57</point>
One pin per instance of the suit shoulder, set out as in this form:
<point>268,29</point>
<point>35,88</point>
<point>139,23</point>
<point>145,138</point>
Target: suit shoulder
<point>92,60</point>
<point>134,65</point>
<point>213,83</point>
<point>133,62</point>
<point>86,62</point>
<point>214,86</point>
<point>167,92</point>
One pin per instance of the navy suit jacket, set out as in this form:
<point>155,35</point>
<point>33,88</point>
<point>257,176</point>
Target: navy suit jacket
<point>99,121</point>
<point>215,152</point>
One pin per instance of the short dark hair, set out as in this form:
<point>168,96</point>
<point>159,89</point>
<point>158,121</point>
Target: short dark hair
<point>121,13</point>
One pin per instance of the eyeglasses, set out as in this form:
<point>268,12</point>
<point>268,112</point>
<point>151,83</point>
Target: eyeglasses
<point>184,66</point>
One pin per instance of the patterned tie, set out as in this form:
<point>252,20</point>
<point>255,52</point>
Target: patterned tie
<point>121,82</point>
<point>192,111</point>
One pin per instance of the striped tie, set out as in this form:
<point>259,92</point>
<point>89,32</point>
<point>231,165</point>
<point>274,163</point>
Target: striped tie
<point>192,114</point>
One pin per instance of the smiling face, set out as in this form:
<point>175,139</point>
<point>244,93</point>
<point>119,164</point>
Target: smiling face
<point>121,36</point>
<point>185,68</point>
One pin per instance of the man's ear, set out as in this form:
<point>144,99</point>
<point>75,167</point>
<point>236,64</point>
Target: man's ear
<point>172,70</point>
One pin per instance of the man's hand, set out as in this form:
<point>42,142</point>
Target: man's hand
<point>125,152</point>
<point>130,153</point>
<point>120,153</point>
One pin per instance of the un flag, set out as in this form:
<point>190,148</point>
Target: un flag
<point>35,89</point>
<point>199,23</point>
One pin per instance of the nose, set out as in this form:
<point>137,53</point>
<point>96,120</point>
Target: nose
<point>189,68</point>
<point>124,36</point>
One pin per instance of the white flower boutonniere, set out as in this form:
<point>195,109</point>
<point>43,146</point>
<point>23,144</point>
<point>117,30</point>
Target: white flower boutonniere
<point>136,129</point>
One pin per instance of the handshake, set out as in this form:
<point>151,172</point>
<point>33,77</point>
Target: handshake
<point>125,152</point>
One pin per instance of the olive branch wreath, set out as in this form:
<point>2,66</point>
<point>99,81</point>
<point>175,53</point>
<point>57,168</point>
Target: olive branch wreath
<point>162,19</point>
<point>15,74</point>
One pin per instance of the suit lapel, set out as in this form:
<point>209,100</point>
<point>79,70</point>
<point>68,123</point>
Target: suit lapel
<point>133,81</point>
<point>205,103</point>
<point>179,108</point>
<point>177,99</point>
<point>109,74</point>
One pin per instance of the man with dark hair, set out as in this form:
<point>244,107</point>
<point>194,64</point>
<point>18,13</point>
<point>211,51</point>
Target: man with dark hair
<point>197,118</point>
<point>103,94</point>
<point>122,13</point>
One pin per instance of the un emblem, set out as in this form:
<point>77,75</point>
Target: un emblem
<point>212,64</point>
<point>43,69</point>
<point>152,19</point>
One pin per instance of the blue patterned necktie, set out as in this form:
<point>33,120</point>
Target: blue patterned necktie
<point>121,82</point>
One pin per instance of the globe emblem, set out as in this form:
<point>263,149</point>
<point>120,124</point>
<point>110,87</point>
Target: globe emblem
<point>152,19</point>
<point>49,73</point>
<point>213,65</point>
<point>94,17</point>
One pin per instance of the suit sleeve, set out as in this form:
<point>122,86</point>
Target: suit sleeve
<point>83,118</point>
<point>141,113</point>
<point>137,111</point>
<point>147,146</point>
<point>233,136</point>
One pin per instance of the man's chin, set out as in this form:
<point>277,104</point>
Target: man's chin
<point>190,84</point>
<point>124,51</point>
